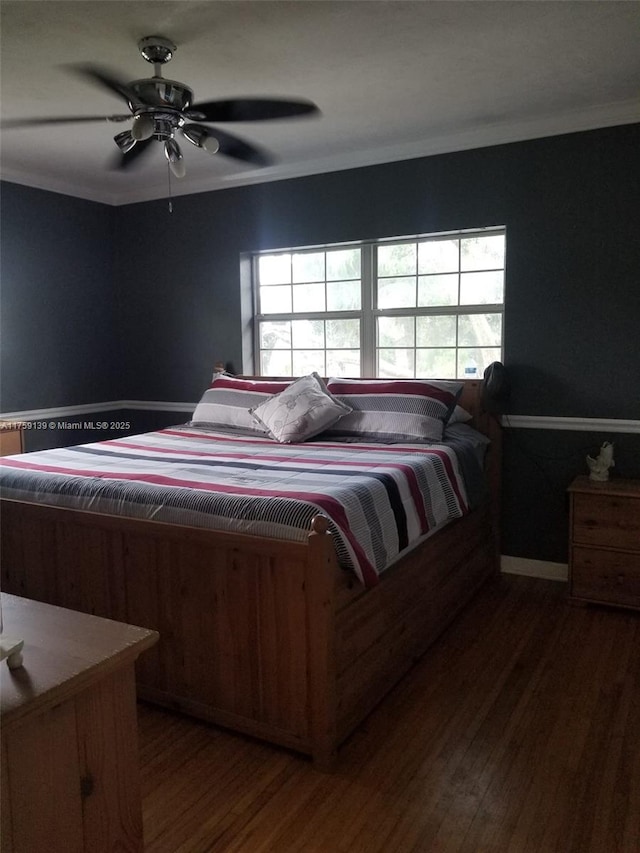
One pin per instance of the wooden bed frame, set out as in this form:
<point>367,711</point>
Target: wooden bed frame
<point>266,637</point>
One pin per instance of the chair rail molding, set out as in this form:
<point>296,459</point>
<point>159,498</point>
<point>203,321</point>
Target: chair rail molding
<point>548,422</point>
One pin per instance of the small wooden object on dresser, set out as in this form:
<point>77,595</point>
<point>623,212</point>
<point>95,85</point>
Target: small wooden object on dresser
<point>604,543</point>
<point>11,438</point>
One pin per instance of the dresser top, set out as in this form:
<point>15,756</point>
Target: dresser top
<point>613,487</point>
<point>64,651</point>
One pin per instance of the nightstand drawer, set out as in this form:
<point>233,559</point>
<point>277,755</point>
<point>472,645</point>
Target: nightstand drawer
<point>606,520</point>
<point>606,576</point>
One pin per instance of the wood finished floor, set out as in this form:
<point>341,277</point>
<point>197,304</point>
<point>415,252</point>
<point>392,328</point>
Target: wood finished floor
<point>518,731</point>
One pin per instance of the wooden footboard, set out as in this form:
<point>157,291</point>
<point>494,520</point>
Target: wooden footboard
<point>266,637</point>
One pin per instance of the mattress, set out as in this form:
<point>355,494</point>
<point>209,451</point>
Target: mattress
<point>380,499</point>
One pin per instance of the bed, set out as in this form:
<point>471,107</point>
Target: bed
<point>292,640</point>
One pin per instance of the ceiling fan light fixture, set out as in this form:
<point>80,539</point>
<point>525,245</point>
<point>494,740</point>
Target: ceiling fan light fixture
<point>124,141</point>
<point>210,144</point>
<point>201,138</point>
<point>143,127</point>
<point>174,156</point>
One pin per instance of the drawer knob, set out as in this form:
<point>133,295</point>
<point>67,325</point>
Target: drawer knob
<point>620,579</point>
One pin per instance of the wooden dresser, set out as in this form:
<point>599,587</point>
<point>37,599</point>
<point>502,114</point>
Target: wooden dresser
<point>604,542</point>
<point>69,734</point>
<point>11,438</point>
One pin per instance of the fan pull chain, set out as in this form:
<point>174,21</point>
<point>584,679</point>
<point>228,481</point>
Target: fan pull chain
<point>169,180</point>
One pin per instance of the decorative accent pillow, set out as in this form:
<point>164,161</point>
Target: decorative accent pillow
<point>460,416</point>
<point>303,410</point>
<point>395,410</point>
<point>227,401</point>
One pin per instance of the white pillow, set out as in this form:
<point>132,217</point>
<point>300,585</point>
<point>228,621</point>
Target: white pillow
<point>303,410</point>
<point>460,416</point>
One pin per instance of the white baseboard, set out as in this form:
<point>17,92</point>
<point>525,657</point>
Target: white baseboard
<point>534,568</point>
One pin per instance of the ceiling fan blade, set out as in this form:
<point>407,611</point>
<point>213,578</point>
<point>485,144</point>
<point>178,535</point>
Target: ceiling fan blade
<point>125,161</point>
<point>233,146</point>
<point>251,109</point>
<point>107,79</point>
<point>32,122</point>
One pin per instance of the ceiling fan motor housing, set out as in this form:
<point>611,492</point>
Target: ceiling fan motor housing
<point>159,92</point>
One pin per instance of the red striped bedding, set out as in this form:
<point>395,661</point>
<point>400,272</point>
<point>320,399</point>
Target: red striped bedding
<point>380,499</point>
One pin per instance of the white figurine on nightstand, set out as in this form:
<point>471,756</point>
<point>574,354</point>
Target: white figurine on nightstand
<point>599,466</point>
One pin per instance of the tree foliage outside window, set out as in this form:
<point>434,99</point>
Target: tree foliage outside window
<point>429,306</point>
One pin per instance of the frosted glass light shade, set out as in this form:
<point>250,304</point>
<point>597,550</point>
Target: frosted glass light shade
<point>210,144</point>
<point>143,127</point>
<point>174,156</point>
<point>201,138</point>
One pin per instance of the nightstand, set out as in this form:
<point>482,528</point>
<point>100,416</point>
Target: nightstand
<point>604,542</point>
<point>11,437</point>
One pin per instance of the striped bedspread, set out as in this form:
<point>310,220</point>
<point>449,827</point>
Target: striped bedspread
<point>380,499</point>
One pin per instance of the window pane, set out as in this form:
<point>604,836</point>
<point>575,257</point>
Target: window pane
<point>307,334</point>
<point>274,269</point>
<point>275,363</point>
<point>396,362</point>
<point>308,266</point>
<point>436,363</point>
<point>344,263</point>
<point>478,357</point>
<point>479,330</point>
<point>438,256</point>
<point>438,290</point>
<point>308,297</point>
<point>397,293</point>
<point>343,334</point>
<point>343,295</point>
<point>275,300</point>
<point>434,284</point>
<point>396,332</point>
<point>275,335</point>
<point>305,361</point>
<point>343,363</point>
<point>436,331</point>
<point>398,259</point>
<point>481,288</point>
<point>482,253</point>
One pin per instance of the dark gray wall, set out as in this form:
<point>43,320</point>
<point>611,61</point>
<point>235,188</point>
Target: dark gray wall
<point>59,313</point>
<point>571,206</point>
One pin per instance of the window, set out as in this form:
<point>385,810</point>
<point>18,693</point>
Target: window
<point>428,306</point>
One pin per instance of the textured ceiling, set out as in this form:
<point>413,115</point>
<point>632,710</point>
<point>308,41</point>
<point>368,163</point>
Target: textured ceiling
<point>393,80</point>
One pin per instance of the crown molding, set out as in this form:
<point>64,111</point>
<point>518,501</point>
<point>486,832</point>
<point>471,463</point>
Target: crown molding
<point>53,184</point>
<point>481,136</point>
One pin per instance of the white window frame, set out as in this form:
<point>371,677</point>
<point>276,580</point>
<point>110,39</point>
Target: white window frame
<point>368,313</point>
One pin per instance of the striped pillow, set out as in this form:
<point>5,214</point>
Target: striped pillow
<point>394,409</point>
<point>227,401</point>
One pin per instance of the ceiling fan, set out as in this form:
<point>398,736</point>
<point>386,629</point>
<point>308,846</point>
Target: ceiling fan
<point>161,108</point>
